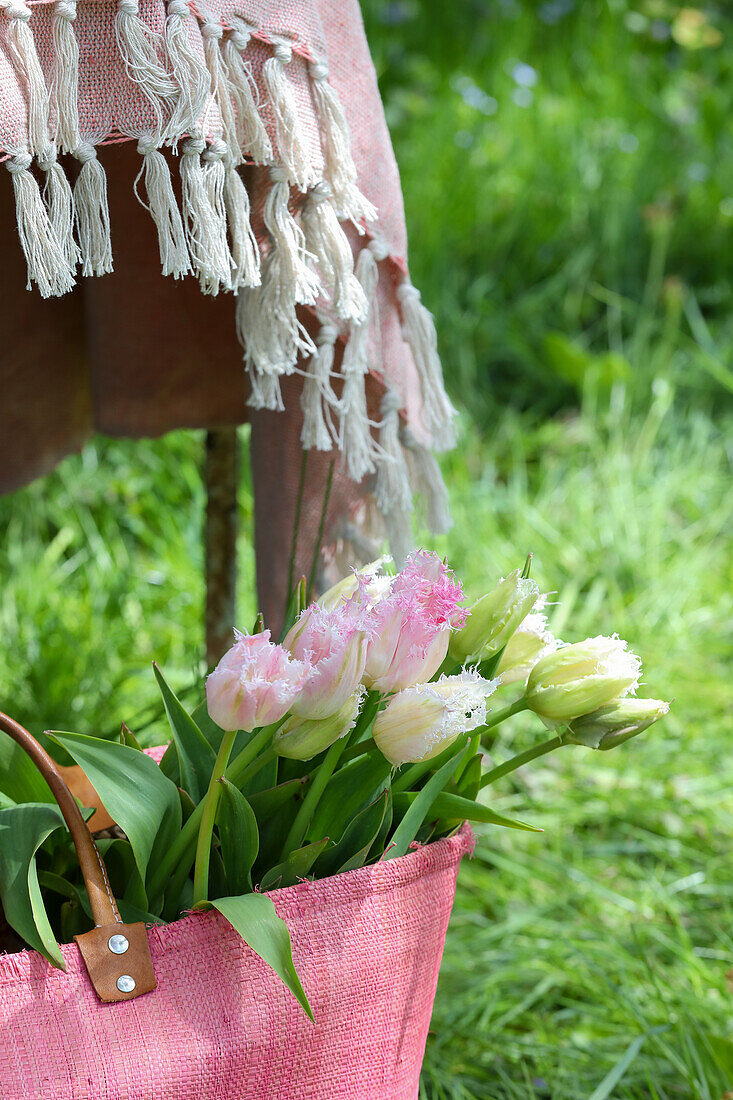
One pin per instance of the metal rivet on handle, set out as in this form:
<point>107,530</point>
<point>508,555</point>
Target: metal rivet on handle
<point>125,983</point>
<point>118,944</point>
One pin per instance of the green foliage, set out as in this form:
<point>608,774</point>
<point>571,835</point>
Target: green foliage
<point>566,170</point>
<point>195,754</point>
<point>254,917</point>
<point>22,831</point>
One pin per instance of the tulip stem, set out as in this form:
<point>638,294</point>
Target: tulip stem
<point>359,749</point>
<point>506,712</point>
<point>208,816</point>
<point>520,759</point>
<point>318,784</point>
<point>184,842</point>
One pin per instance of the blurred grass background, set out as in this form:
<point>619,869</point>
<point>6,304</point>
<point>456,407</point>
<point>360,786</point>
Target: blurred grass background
<point>568,179</point>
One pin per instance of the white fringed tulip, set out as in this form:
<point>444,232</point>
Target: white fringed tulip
<point>530,642</point>
<point>580,678</point>
<point>304,738</point>
<point>421,721</point>
<point>493,619</point>
<point>612,725</point>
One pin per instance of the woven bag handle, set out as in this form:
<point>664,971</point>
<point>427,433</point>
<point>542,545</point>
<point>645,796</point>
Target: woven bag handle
<point>116,954</point>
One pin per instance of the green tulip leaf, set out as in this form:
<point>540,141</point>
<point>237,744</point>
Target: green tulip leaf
<point>295,867</point>
<point>20,779</point>
<point>420,805</point>
<point>254,917</point>
<point>349,790</point>
<point>143,802</point>
<point>239,837</point>
<point>451,807</point>
<point>354,846</point>
<point>22,831</point>
<point>195,754</point>
<point>267,803</point>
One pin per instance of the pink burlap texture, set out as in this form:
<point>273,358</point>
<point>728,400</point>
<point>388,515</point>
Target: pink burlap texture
<point>221,1026</point>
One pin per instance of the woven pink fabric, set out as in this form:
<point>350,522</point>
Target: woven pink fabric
<point>221,1026</point>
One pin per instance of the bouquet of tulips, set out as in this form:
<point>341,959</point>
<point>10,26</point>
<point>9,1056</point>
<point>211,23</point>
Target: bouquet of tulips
<point>354,737</point>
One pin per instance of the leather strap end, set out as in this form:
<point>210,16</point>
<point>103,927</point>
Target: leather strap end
<point>118,973</point>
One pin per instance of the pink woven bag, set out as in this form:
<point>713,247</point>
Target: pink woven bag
<point>221,1026</point>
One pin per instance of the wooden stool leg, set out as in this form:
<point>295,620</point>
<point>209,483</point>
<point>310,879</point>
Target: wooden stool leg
<point>221,475</point>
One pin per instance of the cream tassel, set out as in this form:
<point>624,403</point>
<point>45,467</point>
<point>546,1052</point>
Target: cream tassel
<point>138,46</point>
<point>163,209</point>
<point>340,170</point>
<point>190,76</point>
<point>327,240</point>
<point>204,216</point>
<point>392,489</point>
<point>290,144</point>
<point>298,281</point>
<point>318,398</point>
<point>22,49</point>
<point>65,86</point>
<point>245,252</point>
<point>251,132</point>
<point>418,329</point>
<point>265,392</point>
<point>47,265</point>
<point>92,213</point>
<point>212,34</point>
<point>60,204</point>
<point>355,437</point>
<point>427,482</point>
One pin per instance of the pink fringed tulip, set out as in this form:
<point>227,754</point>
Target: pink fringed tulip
<point>412,622</point>
<point>421,721</point>
<point>334,644</point>
<point>254,684</point>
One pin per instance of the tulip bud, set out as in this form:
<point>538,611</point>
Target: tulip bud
<point>581,678</point>
<point>493,619</point>
<point>612,725</point>
<point>334,644</point>
<point>530,641</point>
<point>421,721</point>
<point>254,683</point>
<point>304,738</point>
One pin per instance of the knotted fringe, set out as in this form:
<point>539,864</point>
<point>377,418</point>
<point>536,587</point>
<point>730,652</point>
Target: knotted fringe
<point>318,399</point>
<point>190,76</point>
<point>163,209</point>
<point>291,148</point>
<point>138,46</point>
<point>267,321</point>
<point>392,487</point>
<point>265,392</point>
<point>327,240</point>
<point>47,265</point>
<point>252,136</point>
<point>418,329</point>
<point>65,86</point>
<point>22,48</point>
<point>245,252</point>
<point>340,170</point>
<point>204,215</point>
<point>355,437</point>
<point>60,205</point>
<point>92,213</point>
<point>212,35</point>
<point>427,483</point>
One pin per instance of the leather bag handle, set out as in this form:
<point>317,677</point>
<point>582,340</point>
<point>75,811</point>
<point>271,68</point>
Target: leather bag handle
<point>116,955</point>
